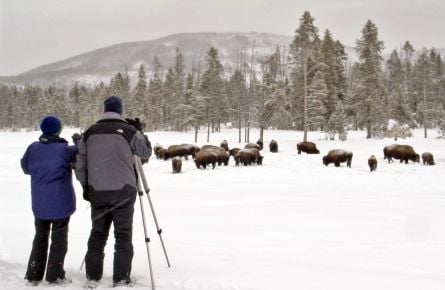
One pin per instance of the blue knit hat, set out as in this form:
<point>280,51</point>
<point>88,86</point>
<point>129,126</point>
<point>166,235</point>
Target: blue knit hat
<point>51,125</point>
<point>113,104</point>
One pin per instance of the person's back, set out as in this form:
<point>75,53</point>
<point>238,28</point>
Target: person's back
<point>48,161</point>
<point>106,169</point>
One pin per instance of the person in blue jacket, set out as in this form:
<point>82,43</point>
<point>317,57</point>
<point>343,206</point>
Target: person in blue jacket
<point>48,161</point>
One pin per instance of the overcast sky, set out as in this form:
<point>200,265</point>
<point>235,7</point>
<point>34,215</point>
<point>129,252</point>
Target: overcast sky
<point>37,32</point>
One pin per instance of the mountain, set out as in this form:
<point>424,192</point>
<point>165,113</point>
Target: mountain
<point>102,64</point>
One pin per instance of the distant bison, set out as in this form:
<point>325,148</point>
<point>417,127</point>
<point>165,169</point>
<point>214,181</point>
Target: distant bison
<point>183,150</point>
<point>260,143</point>
<point>234,151</point>
<point>273,146</point>
<point>427,158</point>
<point>372,162</point>
<point>176,164</point>
<point>400,152</point>
<point>159,151</point>
<point>223,155</point>
<point>204,158</point>
<point>338,156</point>
<point>224,145</point>
<point>252,145</point>
<point>248,157</point>
<point>307,147</point>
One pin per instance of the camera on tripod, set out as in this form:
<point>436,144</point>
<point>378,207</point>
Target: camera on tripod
<point>136,122</point>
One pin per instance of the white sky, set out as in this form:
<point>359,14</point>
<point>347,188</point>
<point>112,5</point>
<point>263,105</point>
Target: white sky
<point>37,32</point>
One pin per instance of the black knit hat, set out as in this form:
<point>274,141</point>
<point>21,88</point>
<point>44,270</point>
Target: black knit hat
<point>113,104</point>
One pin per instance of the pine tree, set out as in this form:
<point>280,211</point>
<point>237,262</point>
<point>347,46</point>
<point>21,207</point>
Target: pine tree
<point>303,53</point>
<point>318,94</point>
<point>140,99</point>
<point>368,89</point>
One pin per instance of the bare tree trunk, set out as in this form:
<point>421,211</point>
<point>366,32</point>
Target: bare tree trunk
<point>239,129</point>
<point>208,132</point>
<point>196,133</point>
<point>248,132</point>
<point>425,129</point>
<point>261,132</point>
<point>305,97</point>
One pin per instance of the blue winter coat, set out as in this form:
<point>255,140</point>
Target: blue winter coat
<point>49,164</point>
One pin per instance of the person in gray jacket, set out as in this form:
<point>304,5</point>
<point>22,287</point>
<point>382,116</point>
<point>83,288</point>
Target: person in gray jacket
<point>106,169</point>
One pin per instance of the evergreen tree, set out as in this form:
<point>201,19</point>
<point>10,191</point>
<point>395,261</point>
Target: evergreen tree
<point>303,53</point>
<point>368,90</point>
<point>140,99</point>
<point>318,94</point>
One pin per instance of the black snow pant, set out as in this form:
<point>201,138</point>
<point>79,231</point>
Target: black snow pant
<point>57,252</point>
<point>122,218</point>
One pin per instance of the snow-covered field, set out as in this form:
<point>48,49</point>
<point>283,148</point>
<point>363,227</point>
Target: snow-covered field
<point>291,223</point>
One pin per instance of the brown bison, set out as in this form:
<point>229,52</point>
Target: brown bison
<point>234,151</point>
<point>372,162</point>
<point>224,145</point>
<point>176,164</point>
<point>307,147</point>
<point>252,145</point>
<point>260,143</point>
<point>158,149</point>
<point>338,156</point>
<point>204,158</point>
<point>183,150</point>
<point>427,158</point>
<point>248,157</point>
<point>273,146</point>
<point>401,152</point>
<point>223,155</point>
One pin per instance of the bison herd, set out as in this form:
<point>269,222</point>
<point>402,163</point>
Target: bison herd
<point>211,155</point>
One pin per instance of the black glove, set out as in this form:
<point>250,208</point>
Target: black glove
<point>85,193</point>
<point>136,123</point>
<point>76,137</point>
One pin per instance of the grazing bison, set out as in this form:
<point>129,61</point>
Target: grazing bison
<point>307,147</point>
<point>234,151</point>
<point>400,152</point>
<point>252,145</point>
<point>183,150</point>
<point>273,146</point>
<point>427,158</point>
<point>224,145</point>
<point>387,150</point>
<point>176,164</point>
<point>204,158</point>
<point>338,156</point>
<point>372,162</point>
<point>223,155</point>
<point>158,149</point>
<point>248,156</point>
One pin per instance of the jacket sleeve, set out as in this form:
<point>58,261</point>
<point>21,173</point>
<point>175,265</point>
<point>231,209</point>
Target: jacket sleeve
<point>81,164</point>
<point>140,145</point>
<point>24,162</point>
<point>70,154</point>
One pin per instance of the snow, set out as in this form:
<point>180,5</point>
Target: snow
<point>291,223</point>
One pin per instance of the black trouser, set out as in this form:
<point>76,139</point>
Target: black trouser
<point>122,218</point>
<point>59,246</point>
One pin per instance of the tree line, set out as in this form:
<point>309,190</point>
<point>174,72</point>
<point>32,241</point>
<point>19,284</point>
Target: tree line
<point>309,85</point>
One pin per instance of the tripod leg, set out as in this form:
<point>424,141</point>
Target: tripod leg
<point>147,239</point>
<point>147,191</point>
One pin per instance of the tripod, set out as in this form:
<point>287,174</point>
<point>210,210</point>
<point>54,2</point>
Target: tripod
<point>141,177</point>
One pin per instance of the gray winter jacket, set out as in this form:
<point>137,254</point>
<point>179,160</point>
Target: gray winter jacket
<point>105,163</point>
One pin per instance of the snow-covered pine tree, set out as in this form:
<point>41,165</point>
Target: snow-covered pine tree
<point>367,92</point>
<point>317,97</point>
<point>140,99</point>
<point>155,94</point>
<point>303,51</point>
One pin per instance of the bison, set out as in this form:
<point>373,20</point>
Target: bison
<point>252,145</point>
<point>401,152</point>
<point>223,155</point>
<point>260,143</point>
<point>183,150</point>
<point>204,158</point>
<point>338,156</point>
<point>248,156</point>
<point>224,145</point>
<point>427,158</point>
<point>307,147</point>
<point>372,162</point>
<point>176,164</point>
<point>273,146</point>
<point>158,149</point>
